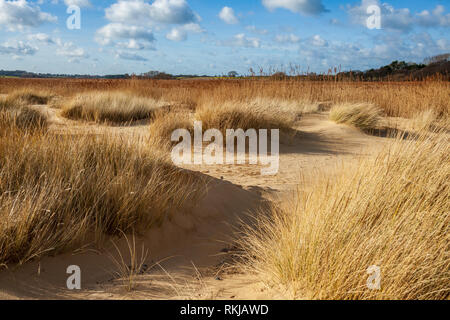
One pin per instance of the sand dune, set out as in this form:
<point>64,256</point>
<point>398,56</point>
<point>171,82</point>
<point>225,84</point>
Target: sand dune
<point>188,255</point>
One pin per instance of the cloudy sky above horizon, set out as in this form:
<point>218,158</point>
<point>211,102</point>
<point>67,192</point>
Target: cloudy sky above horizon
<point>214,37</point>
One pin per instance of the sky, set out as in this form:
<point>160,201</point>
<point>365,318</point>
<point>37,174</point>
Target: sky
<point>214,37</point>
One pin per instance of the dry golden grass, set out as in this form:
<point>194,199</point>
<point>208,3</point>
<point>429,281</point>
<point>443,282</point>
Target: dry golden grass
<point>244,115</point>
<point>30,97</point>
<point>360,115</point>
<point>58,192</point>
<point>23,118</point>
<point>293,107</point>
<point>24,97</point>
<point>110,107</point>
<point>130,265</point>
<point>391,211</point>
<point>425,120</point>
<point>165,123</point>
<point>404,99</point>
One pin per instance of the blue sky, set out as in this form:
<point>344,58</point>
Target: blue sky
<point>214,37</point>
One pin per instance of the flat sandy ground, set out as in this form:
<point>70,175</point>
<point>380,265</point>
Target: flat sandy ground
<point>190,255</point>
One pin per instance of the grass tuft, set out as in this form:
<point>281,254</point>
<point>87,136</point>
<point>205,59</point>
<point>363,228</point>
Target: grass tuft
<point>116,107</point>
<point>165,123</point>
<point>236,115</point>
<point>364,116</point>
<point>23,118</point>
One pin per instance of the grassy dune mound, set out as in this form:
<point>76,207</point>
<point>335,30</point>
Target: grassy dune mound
<point>24,97</point>
<point>236,115</point>
<point>391,211</point>
<point>113,107</point>
<point>30,97</point>
<point>59,192</point>
<point>165,123</point>
<point>361,115</point>
<point>23,118</point>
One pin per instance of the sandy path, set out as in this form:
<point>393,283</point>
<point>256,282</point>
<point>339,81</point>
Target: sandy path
<point>192,248</point>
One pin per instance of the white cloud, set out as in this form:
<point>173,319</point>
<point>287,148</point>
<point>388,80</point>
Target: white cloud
<point>256,30</point>
<point>133,44</point>
<point>227,15</point>
<point>17,48</point>
<point>241,40</point>
<point>437,17</point>
<point>384,49</point>
<point>180,33</point>
<point>400,19</point>
<point>308,7</point>
<point>19,14</point>
<point>317,41</point>
<point>160,11</point>
<point>113,32</point>
<point>133,20</point>
<point>130,56</point>
<point>79,3</point>
<point>287,38</point>
<point>41,37</point>
<point>177,34</point>
<point>71,51</point>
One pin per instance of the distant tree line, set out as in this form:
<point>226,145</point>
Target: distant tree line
<point>436,66</point>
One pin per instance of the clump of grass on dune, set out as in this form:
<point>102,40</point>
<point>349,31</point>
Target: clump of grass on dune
<point>365,116</point>
<point>23,118</point>
<point>165,123</point>
<point>24,97</point>
<point>391,211</point>
<point>59,192</point>
<point>113,107</point>
<point>424,120</point>
<point>238,115</point>
<point>31,97</point>
<point>293,106</point>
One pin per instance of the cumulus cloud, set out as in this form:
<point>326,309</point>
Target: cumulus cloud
<point>143,12</point>
<point>401,19</point>
<point>130,56</point>
<point>287,38</point>
<point>436,17</point>
<point>79,3</point>
<point>17,48</point>
<point>382,51</point>
<point>255,30</point>
<point>176,34</point>
<point>227,15</point>
<point>317,41</point>
<point>134,20</point>
<point>241,40</point>
<point>41,37</point>
<point>113,32</point>
<point>71,51</point>
<point>133,44</point>
<point>180,33</point>
<point>307,7</point>
<point>19,14</point>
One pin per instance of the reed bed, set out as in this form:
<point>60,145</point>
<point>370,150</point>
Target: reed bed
<point>396,99</point>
